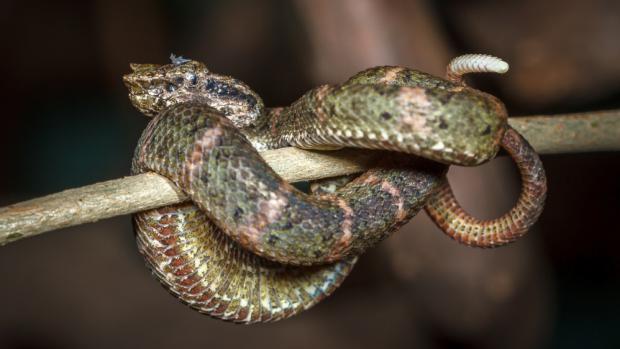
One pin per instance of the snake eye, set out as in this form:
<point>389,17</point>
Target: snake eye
<point>193,80</point>
<point>171,87</point>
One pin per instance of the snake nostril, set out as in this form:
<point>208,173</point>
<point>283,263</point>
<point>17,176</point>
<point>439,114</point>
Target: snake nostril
<point>129,80</point>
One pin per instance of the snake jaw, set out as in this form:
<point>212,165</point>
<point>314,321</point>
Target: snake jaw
<point>143,97</point>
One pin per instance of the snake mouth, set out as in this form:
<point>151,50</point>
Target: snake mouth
<point>140,73</point>
<point>133,82</point>
<point>130,82</point>
<point>141,97</point>
<point>133,85</point>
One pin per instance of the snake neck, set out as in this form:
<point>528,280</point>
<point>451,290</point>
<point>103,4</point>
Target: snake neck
<point>264,134</point>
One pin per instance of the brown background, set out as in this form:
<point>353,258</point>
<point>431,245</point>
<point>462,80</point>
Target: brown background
<point>66,122</point>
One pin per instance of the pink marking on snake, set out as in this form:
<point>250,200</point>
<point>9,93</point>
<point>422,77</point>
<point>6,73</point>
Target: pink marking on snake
<point>273,207</point>
<point>395,192</point>
<point>345,227</point>
<point>415,95</point>
<point>269,211</point>
<point>391,74</point>
<point>208,141</point>
<point>275,113</point>
<point>370,180</point>
<point>414,107</point>
<point>347,223</point>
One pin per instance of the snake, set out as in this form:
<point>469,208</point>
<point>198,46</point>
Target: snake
<point>249,247</point>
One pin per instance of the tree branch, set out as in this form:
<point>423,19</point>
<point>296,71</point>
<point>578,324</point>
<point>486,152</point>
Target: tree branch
<point>599,131</point>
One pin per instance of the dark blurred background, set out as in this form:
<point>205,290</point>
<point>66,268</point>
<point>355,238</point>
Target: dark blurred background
<point>66,122</point>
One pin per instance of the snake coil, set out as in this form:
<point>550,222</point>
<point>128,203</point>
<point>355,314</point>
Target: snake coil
<point>249,247</point>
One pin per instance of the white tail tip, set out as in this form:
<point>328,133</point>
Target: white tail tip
<point>475,63</point>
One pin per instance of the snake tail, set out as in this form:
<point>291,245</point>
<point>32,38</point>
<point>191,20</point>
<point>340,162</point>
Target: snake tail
<point>474,63</point>
<point>452,219</point>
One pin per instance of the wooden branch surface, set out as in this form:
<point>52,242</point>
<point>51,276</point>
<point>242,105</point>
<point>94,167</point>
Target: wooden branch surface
<point>599,131</point>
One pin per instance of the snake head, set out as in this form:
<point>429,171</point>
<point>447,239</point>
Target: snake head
<point>154,88</point>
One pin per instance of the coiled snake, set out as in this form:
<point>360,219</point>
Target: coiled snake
<point>252,248</point>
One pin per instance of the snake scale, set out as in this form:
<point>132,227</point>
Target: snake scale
<point>249,247</point>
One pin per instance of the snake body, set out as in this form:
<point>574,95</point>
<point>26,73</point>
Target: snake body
<point>252,248</point>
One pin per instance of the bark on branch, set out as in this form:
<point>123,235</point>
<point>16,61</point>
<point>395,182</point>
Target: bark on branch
<point>574,133</point>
